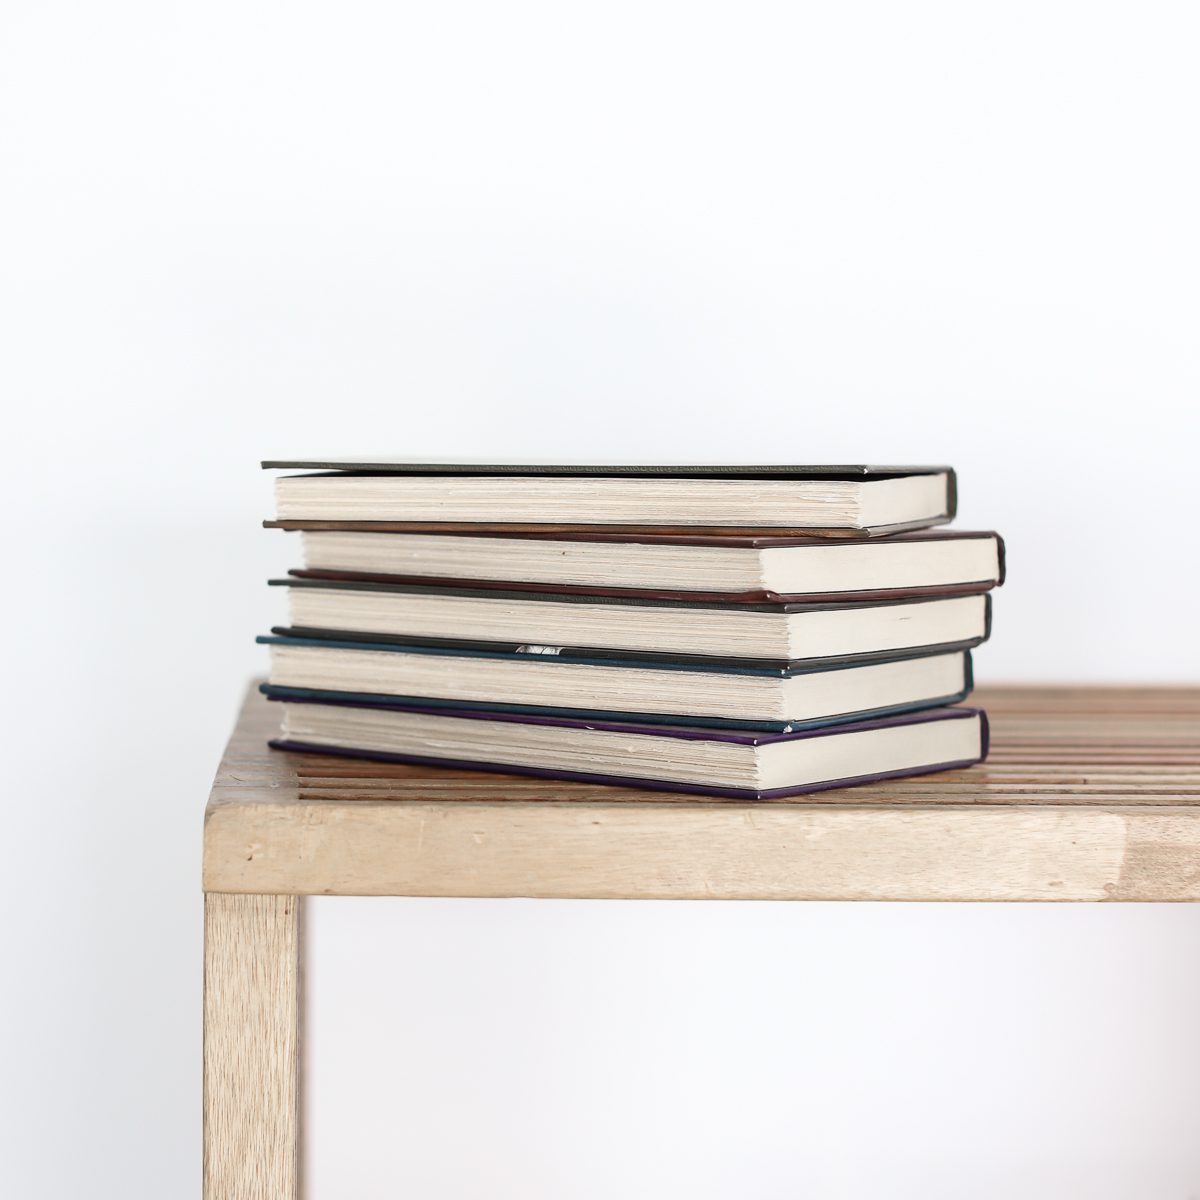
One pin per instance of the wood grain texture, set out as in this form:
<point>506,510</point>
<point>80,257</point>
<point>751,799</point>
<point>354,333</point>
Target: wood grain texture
<point>251,1065</point>
<point>1089,794</point>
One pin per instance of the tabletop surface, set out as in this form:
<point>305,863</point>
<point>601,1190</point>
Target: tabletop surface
<point>1089,793</point>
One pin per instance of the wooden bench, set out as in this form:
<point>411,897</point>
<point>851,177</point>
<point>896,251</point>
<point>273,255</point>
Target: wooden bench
<point>1089,794</point>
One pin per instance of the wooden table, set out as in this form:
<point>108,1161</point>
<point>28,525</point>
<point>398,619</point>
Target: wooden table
<point>1089,794</point>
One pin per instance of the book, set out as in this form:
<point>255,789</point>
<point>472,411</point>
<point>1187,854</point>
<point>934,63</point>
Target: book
<point>780,632</point>
<point>846,501</point>
<point>731,569</point>
<point>715,762</point>
<point>769,697</point>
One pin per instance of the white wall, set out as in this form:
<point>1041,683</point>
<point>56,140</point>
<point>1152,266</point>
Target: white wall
<point>807,232</point>
<point>593,1050</point>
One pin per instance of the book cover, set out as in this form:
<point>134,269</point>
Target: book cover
<point>618,597</point>
<point>412,466</point>
<point>760,597</point>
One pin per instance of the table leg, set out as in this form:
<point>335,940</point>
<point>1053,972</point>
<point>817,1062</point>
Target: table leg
<point>251,1067</point>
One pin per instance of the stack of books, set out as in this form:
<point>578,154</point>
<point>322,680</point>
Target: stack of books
<point>742,631</point>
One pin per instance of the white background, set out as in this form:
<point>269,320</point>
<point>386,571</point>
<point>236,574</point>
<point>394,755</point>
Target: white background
<point>826,232</point>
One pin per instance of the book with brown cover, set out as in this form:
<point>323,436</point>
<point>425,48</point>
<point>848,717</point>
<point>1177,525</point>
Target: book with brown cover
<point>748,596</point>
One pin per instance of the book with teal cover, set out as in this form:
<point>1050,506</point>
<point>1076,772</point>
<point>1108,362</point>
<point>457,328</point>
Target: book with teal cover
<point>548,661</point>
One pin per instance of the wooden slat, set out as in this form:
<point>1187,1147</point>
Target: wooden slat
<point>1089,793</point>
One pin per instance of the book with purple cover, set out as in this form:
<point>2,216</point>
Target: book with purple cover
<point>729,763</point>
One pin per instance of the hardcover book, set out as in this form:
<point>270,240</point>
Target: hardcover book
<point>730,569</point>
<point>722,763</point>
<point>843,501</point>
<point>782,633</point>
<point>763,696</point>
